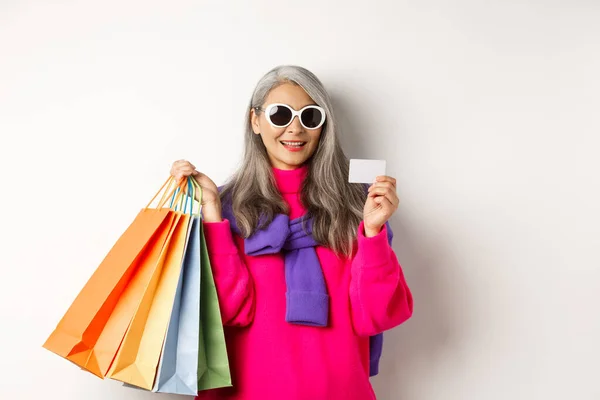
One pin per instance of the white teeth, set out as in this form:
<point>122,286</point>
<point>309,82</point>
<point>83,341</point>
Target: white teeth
<point>293,144</point>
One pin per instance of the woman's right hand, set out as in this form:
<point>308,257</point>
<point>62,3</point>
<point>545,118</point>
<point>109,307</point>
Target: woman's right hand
<point>211,202</point>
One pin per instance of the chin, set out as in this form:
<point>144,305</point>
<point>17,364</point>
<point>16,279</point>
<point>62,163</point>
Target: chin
<point>296,163</point>
<point>292,164</point>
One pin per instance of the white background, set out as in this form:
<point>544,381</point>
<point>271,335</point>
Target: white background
<point>486,112</point>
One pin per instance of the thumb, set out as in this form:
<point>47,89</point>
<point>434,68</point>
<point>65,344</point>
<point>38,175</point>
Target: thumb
<point>370,204</point>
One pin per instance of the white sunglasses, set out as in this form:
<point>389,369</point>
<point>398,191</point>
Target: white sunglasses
<point>281,115</point>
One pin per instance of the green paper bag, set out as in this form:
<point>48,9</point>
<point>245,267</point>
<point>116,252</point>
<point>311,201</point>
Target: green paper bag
<point>213,365</point>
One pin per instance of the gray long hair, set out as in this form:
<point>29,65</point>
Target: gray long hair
<point>335,204</point>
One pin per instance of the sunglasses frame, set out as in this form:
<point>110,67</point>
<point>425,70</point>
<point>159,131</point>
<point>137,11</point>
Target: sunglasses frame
<point>295,113</point>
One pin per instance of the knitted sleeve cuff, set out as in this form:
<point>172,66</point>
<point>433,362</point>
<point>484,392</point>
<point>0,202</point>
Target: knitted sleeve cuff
<point>375,249</point>
<point>219,238</point>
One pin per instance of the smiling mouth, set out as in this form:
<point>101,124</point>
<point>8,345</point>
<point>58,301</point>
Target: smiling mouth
<point>292,144</point>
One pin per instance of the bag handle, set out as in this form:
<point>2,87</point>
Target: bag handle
<point>173,189</point>
<point>190,195</point>
<point>168,189</point>
<point>196,185</point>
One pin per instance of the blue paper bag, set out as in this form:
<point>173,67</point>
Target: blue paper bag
<point>178,367</point>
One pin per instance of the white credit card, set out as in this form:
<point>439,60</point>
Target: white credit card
<point>365,171</point>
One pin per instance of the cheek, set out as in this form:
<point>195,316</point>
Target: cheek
<point>314,142</point>
<point>315,138</point>
<point>270,134</point>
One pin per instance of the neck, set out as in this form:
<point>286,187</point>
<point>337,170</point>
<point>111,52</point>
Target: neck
<point>290,180</point>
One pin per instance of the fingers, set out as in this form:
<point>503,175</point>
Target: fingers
<point>385,178</point>
<point>384,181</point>
<point>381,187</point>
<point>387,199</point>
<point>182,168</point>
<point>392,201</point>
<point>386,184</point>
<point>203,180</point>
<point>385,203</point>
<point>182,164</point>
<point>381,190</point>
<point>183,172</point>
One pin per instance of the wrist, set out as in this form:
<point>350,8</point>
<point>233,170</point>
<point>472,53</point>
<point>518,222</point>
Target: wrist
<point>211,213</point>
<point>371,231</point>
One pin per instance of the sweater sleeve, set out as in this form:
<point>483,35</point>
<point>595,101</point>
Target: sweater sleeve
<point>233,281</point>
<point>379,296</point>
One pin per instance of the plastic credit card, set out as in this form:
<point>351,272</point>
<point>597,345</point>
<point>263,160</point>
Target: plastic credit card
<point>365,171</point>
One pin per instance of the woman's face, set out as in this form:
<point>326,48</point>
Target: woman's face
<point>282,156</point>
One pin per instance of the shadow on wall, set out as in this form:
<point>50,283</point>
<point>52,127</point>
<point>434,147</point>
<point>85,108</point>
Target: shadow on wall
<point>414,348</point>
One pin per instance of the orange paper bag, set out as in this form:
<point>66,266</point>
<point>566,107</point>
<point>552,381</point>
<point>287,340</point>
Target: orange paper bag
<point>77,334</point>
<point>112,335</point>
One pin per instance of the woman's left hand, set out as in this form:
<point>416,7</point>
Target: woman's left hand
<point>381,203</point>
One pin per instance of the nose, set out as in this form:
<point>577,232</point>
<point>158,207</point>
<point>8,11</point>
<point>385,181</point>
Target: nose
<point>295,126</point>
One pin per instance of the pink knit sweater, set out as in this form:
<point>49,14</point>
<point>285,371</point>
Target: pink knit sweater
<point>273,359</point>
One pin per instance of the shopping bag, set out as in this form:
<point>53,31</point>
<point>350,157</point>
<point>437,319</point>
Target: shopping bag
<point>77,334</point>
<point>137,359</point>
<point>217,373</point>
<point>178,365</point>
<point>112,335</point>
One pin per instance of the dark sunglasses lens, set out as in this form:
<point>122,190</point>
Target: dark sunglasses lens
<point>280,115</point>
<point>311,117</point>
